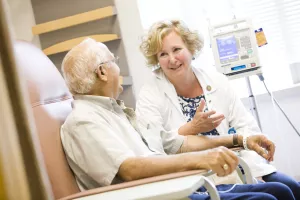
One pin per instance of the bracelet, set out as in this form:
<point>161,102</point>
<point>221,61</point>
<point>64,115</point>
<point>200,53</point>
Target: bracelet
<point>245,143</point>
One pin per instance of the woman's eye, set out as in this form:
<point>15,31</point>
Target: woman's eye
<point>162,54</point>
<point>176,49</point>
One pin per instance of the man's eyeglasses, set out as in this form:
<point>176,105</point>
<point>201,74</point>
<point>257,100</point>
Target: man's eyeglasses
<point>115,60</point>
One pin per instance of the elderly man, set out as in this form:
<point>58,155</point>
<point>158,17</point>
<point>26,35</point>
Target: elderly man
<point>104,144</point>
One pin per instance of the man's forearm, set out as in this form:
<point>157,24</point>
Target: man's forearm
<point>144,167</point>
<point>199,143</point>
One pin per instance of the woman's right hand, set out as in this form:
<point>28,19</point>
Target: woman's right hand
<point>205,121</point>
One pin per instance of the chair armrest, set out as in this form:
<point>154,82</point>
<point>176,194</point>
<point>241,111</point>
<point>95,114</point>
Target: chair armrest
<point>179,188</point>
<point>170,186</point>
<point>249,179</point>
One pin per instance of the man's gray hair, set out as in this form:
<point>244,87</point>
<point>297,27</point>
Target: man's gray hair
<point>80,63</point>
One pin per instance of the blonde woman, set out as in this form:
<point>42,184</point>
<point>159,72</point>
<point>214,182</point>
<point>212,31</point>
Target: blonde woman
<point>184,100</point>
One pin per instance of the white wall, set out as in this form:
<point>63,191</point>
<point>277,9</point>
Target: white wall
<point>131,32</point>
<point>22,19</point>
<point>287,158</point>
<point>155,10</point>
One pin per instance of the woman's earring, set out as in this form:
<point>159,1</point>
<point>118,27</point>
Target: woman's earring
<point>193,58</point>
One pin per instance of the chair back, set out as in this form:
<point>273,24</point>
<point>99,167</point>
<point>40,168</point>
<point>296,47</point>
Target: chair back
<point>51,103</point>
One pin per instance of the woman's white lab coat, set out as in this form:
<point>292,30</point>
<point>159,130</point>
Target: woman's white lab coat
<point>158,104</point>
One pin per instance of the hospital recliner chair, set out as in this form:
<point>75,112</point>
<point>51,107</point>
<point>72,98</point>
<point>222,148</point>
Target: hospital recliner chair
<point>51,103</point>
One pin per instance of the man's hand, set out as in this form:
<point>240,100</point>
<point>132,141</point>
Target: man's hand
<point>262,145</point>
<point>216,159</point>
<point>205,121</point>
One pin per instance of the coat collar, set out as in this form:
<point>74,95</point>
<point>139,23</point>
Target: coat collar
<point>169,90</point>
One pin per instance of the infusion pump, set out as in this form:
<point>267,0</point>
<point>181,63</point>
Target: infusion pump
<point>235,48</point>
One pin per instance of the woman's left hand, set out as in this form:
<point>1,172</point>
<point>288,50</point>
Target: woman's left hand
<point>261,145</point>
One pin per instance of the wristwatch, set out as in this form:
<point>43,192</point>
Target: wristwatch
<point>235,140</point>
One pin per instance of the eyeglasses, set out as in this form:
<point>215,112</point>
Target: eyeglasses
<point>115,60</point>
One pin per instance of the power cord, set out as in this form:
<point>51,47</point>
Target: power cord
<point>261,77</point>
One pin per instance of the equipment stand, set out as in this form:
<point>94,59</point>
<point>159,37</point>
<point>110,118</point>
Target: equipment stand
<point>253,105</point>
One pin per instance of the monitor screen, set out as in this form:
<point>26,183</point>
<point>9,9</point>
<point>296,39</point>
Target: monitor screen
<point>227,48</point>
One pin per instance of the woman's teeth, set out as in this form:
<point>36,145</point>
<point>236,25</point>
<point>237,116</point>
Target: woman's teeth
<point>174,68</point>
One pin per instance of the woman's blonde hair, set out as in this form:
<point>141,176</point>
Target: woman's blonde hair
<point>152,42</point>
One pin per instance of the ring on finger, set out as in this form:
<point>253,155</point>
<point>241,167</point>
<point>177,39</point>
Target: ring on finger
<point>225,167</point>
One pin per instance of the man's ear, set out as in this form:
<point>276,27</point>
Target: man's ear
<point>102,73</point>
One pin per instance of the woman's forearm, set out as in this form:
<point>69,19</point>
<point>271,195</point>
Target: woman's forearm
<point>199,143</point>
<point>187,129</point>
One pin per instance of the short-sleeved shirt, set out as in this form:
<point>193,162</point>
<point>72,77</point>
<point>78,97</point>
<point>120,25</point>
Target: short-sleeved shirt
<point>189,107</point>
<point>98,137</point>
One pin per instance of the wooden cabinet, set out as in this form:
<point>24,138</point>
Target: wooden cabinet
<point>61,24</point>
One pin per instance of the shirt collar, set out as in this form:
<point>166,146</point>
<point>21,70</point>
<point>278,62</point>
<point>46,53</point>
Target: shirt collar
<point>105,102</point>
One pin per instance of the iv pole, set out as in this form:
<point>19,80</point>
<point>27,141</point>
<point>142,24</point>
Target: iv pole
<point>253,106</point>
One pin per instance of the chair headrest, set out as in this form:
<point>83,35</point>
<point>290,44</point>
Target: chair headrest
<point>44,81</point>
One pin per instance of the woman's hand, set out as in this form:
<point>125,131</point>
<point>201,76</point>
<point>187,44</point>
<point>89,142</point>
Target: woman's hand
<point>205,121</point>
<point>261,145</point>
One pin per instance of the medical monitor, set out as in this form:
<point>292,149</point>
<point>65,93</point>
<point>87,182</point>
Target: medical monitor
<point>235,49</point>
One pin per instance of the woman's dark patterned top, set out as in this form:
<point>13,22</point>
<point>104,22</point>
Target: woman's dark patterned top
<point>189,107</point>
